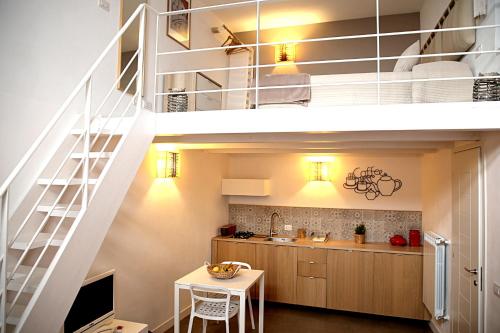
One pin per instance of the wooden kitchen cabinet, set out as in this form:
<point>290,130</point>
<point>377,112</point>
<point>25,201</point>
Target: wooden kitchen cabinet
<point>311,269</point>
<point>312,262</point>
<point>311,277</point>
<point>350,280</point>
<point>279,263</point>
<point>384,283</point>
<point>311,291</point>
<point>398,281</point>
<point>317,256</point>
<point>235,251</point>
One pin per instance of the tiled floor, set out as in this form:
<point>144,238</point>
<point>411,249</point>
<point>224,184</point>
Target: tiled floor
<point>295,319</point>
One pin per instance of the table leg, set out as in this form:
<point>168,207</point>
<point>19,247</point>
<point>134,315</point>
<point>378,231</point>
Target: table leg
<point>241,323</point>
<point>176,310</point>
<point>261,304</point>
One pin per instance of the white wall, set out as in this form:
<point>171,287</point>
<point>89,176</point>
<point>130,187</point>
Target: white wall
<point>432,10</point>
<point>161,232</point>
<point>437,204</point>
<point>290,186</point>
<point>485,40</point>
<point>436,192</point>
<point>201,37</point>
<point>47,46</point>
<point>491,153</point>
<point>51,45</point>
<point>497,20</point>
<point>430,13</point>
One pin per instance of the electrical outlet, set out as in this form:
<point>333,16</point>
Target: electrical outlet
<point>288,227</point>
<point>104,4</point>
<point>496,289</point>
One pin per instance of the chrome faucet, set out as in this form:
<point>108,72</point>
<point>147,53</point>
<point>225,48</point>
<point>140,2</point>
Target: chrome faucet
<point>271,227</point>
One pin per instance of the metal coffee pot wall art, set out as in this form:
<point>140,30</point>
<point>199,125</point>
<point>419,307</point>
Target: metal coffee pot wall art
<point>372,183</point>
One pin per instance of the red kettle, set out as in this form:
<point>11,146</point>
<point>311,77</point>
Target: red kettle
<point>397,240</point>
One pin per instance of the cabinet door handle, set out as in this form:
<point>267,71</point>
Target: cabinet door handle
<point>311,277</point>
<point>312,262</point>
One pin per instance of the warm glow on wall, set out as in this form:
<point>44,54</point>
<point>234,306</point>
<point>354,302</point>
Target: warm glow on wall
<point>284,53</point>
<point>281,18</point>
<point>319,168</point>
<point>167,165</point>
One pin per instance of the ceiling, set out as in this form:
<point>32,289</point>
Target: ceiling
<point>283,13</point>
<point>365,143</point>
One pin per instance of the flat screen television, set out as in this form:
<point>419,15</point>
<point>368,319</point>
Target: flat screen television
<point>94,305</point>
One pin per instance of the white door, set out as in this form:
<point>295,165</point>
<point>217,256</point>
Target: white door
<point>466,270</point>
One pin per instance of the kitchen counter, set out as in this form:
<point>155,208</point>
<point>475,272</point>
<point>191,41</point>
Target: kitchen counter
<point>333,245</point>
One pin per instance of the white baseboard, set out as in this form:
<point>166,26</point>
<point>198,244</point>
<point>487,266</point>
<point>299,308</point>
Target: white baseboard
<point>162,328</point>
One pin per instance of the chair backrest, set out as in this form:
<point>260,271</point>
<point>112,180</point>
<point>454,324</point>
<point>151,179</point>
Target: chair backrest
<point>200,293</point>
<point>239,263</point>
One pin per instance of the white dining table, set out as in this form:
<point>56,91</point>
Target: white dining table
<point>238,286</point>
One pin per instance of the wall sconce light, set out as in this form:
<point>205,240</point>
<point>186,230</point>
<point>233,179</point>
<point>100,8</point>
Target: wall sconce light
<point>284,53</point>
<point>167,165</point>
<point>319,169</point>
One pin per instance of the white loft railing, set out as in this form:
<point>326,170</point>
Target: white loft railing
<point>97,128</point>
<point>104,121</point>
<point>378,59</point>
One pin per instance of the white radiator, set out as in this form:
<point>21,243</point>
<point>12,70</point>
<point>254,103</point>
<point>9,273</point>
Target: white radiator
<point>434,280</point>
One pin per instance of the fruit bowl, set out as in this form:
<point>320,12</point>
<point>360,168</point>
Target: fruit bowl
<point>223,271</point>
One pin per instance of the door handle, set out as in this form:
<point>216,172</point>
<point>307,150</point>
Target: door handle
<point>472,271</point>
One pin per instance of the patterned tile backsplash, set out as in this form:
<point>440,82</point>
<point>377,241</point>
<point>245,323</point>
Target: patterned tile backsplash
<point>380,224</point>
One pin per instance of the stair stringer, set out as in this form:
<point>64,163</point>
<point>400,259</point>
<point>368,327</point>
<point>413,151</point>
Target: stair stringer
<point>57,290</point>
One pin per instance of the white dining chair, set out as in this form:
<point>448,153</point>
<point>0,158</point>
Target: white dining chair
<point>211,308</point>
<point>235,299</point>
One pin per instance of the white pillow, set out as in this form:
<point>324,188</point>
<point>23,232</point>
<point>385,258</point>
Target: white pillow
<point>406,64</point>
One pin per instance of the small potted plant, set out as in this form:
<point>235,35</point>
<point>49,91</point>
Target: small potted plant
<point>359,234</point>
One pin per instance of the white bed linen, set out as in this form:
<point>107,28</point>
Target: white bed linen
<point>442,91</point>
<point>343,90</point>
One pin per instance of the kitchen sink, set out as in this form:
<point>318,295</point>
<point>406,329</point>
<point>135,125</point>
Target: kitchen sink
<point>281,239</point>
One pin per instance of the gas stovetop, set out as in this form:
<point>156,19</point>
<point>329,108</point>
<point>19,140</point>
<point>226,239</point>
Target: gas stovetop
<point>243,234</point>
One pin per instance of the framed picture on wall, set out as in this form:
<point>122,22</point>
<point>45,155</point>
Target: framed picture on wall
<point>179,25</point>
<point>210,99</point>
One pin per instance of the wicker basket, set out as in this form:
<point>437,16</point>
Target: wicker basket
<point>487,89</point>
<point>223,275</point>
<point>177,102</point>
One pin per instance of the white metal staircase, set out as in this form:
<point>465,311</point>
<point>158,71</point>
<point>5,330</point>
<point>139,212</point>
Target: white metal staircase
<point>53,223</point>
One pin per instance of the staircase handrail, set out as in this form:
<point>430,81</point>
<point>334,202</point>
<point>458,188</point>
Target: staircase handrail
<point>31,151</point>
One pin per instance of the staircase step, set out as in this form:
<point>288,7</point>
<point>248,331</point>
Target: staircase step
<point>113,126</point>
<point>79,131</point>
<point>15,315</point>
<point>22,242</point>
<point>64,181</point>
<point>20,275</point>
<point>94,132</point>
<point>59,210</point>
<point>92,155</point>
